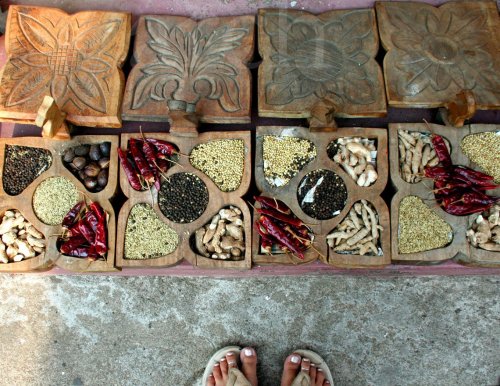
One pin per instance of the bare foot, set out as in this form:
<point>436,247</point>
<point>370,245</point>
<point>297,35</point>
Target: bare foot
<point>248,358</point>
<point>295,363</point>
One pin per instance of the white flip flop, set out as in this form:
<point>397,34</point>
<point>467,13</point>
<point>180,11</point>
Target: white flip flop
<point>318,361</point>
<point>236,376</point>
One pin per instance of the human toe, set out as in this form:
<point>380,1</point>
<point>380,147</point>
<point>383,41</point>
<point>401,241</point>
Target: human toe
<point>248,358</point>
<point>290,369</point>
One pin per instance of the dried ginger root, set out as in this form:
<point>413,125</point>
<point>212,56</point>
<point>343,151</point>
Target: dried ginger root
<point>347,237</point>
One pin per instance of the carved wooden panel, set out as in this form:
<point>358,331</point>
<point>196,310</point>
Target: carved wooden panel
<point>74,58</point>
<point>193,66</point>
<point>328,57</point>
<point>434,53</point>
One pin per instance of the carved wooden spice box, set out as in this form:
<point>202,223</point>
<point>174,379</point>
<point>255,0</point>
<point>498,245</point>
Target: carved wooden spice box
<point>217,199</point>
<point>56,168</point>
<point>458,248</point>
<point>181,64</point>
<point>76,59</point>
<point>436,52</point>
<point>287,193</point>
<point>325,61</point>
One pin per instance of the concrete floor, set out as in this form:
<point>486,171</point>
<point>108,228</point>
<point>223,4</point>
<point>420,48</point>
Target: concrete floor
<point>100,330</point>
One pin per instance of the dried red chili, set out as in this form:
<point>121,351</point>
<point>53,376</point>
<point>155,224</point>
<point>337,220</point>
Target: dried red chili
<point>272,203</point>
<point>72,216</point>
<point>285,241</point>
<point>163,147</point>
<point>288,219</point>
<point>140,160</point>
<point>129,170</point>
<point>441,150</point>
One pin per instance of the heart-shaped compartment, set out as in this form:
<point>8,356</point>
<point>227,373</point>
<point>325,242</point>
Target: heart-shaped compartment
<point>20,240</point>
<point>147,236</point>
<point>222,160</point>
<point>223,238</point>
<point>22,165</point>
<point>483,149</point>
<point>284,157</point>
<point>90,164</point>
<point>420,228</point>
<point>359,233</point>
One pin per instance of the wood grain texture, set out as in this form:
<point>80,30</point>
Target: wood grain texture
<point>192,66</point>
<point>217,200</point>
<point>436,52</point>
<point>459,249</point>
<point>479,257</point>
<point>23,203</point>
<point>76,59</point>
<point>308,59</point>
<point>288,194</point>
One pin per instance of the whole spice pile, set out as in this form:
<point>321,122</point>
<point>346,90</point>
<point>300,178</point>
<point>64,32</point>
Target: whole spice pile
<point>322,194</point>
<point>223,161</point>
<point>146,236</point>
<point>279,227</point>
<point>420,228</point>
<point>145,161</point>
<point>459,189</point>
<point>53,198</point>
<point>485,230</point>
<point>20,239</point>
<point>183,197</point>
<point>85,232</point>
<point>416,152</point>
<point>90,163</point>
<point>284,157</point>
<point>358,233</point>
<point>484,150</point>
<point>22,166</point>
<point>224,237</point>
<point>357,156</point>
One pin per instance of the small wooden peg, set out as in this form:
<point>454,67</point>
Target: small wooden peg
<point>322,116</point>
<point>460,109</point>
<point>52,120</point>
<point>183,124</point>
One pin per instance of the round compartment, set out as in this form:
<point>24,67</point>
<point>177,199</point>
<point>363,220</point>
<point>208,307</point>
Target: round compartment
<point>183,197</point>
<point>322,194</point>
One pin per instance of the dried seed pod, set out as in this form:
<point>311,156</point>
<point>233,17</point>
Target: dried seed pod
<point>79,163</point>
<point>90,183</point>
<point>92,170</point>
<point>104,163</point>
<point>82,150</point>
<point>69,155</point>
<point>102,178</point>
<point>94,153</point>
<point>105,148</point>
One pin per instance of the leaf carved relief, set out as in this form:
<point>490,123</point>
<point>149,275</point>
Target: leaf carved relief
<point>438,52</point>
<point>189,66</point>
<point>73,58</point>
<point>321,58</point>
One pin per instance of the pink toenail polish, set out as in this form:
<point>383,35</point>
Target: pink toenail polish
<point>320,369</point>
<point>295,359</point>
<point>216,365</point>
<point>248,352</point>
<point>223,359</point>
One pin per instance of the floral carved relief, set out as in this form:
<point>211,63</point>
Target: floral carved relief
<point>309,58</point>
<point>189,66</point>
<point>434,53</point>
<point>73,58</point>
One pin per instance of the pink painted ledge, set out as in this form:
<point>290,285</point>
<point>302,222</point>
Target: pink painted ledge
<point>448,268</point>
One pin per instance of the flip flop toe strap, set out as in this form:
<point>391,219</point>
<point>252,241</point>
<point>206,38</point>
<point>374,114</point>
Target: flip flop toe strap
<point>302,379</point>
<point>236,378</point>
